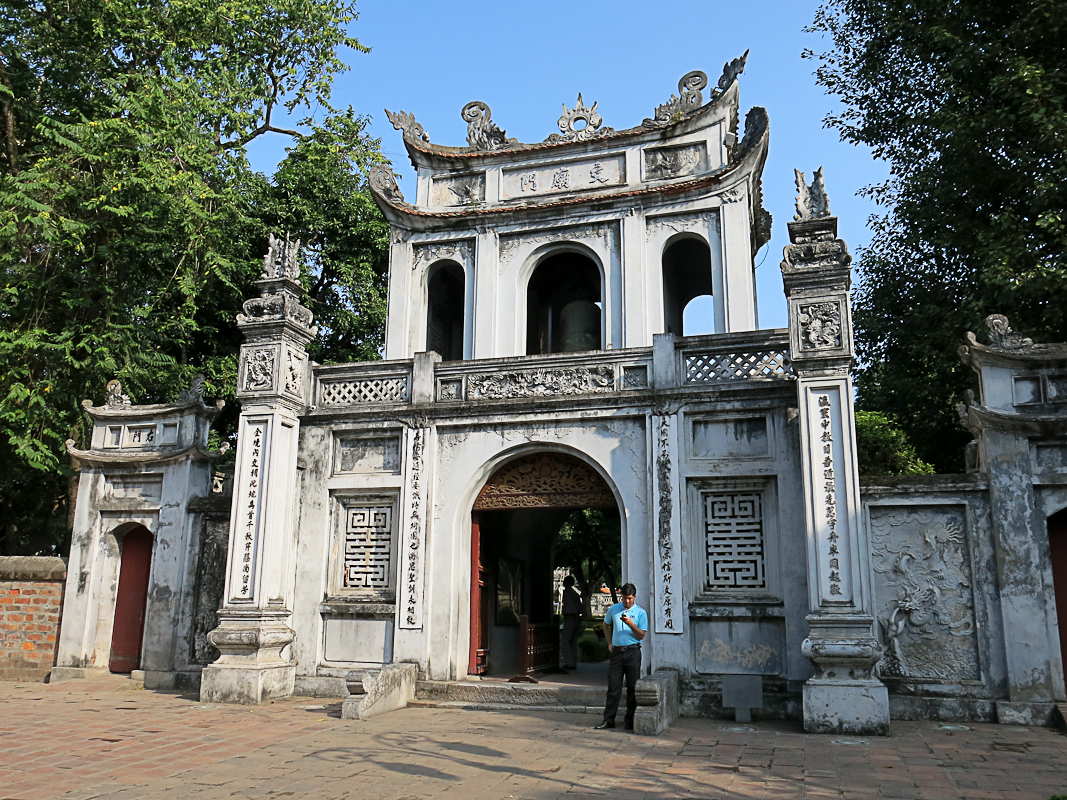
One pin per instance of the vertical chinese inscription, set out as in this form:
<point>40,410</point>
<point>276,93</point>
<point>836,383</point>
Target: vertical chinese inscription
<point>666,504</point>
<point>414,535</point>
<point>251,516</point>
<point>829,492</point>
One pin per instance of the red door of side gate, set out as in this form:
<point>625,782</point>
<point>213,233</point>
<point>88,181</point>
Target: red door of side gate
<point>128,631</point>
<point>1057,542</point>
<point>479,650</point>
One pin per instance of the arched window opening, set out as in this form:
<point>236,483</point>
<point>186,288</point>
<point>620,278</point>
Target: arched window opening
<point>686,275</point>
<point>563,306</point>
<point>444,325</point>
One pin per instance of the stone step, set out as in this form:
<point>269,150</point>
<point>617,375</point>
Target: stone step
<point>519,695</point>
<point>470,706</point>
<point>1059,716</point>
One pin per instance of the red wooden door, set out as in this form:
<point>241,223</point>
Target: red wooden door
<point>1057,542</point>
<point>127,634</point>
<point>479,649</point>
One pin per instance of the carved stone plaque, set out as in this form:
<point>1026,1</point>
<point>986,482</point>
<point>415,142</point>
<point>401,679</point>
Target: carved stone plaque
<point>675,162</point>
<point>574,176</point>
<point>562,381</point>
<point>367,454</point>
<point>458,190</point>
<point>924,600</point>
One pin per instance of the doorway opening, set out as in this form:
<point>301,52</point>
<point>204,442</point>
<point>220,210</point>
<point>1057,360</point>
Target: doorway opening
<point>131,600</point>
<point>538,518</point>
<point>444,325</point>
<point>1057,545</point>
<point>687,287</point>
<point>563,306</point>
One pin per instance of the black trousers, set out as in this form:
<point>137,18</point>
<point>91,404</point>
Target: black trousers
<point>623,664</point>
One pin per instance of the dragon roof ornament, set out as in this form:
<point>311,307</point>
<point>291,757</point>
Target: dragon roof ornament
<point>403,121</point>
<point>482,132</point>
<point>812,201</point>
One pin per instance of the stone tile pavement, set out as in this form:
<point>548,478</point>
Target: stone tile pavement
<point>82,740</point>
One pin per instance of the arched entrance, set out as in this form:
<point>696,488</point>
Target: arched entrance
<point>131,600</point>
<point>515,523</point>
<point>1057,545</point>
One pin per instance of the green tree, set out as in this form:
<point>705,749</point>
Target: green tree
<point>883,448</point>
<point>590,546</point>
<point>131,225</point>
<point>967,102</point>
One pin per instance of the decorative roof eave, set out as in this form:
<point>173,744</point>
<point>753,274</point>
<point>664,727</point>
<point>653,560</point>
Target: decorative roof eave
<point>977,416</point>
<point>1008,348</point>
<point>426,154</point>
<point>748,161</point>
<point>118,405</point>
<point>136,458</point>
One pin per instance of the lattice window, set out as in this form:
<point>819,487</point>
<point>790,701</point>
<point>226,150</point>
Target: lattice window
<point>733,534</point>
<point>709,367</point>
<point>369,390</point>
<point>368,547</point>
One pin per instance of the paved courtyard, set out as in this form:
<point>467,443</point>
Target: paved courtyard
<point>112,740</point>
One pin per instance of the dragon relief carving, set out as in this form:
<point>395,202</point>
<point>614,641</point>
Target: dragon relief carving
<point>923,590</point>
<point>568,124</point>
<point>558,382</point>
<point>259,370</point>
<point>482,132</point>
<point>820,326</point>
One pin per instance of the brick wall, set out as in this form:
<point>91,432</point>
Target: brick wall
<point>31,601</point>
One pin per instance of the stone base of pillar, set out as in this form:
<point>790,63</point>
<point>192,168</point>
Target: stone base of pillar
<point>251,669</point>
<point>844,696</point>
<point>858,707</point>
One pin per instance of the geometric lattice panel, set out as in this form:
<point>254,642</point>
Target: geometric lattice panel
<point>370,390</point>
<point>712,367</point>
<point>368,546</point>
<point>733,534</point>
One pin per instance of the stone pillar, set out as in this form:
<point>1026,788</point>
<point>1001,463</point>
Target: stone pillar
<point>273,384</point>
<point>843,696</point>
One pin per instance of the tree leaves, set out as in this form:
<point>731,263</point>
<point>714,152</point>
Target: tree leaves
<point>967,102</point>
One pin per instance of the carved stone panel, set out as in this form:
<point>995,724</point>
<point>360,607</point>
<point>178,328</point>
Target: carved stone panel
<point>820,326</point>
<point>458,190</point>
<point>574,176</point>
<point>739,647</point>
<point>368,454</point>
<point>924,597</point>
<point>258,369</point>
<point>559,382</point>
<point>662,163</point>
<point>210,585</point>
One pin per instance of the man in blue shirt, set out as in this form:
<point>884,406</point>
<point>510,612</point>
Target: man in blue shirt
<point>625,625</point>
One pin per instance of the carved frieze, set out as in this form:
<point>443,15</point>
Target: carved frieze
<point>545,480</point>
<point>458,190</point>
<point>579,124</point>
<point>461,252</point>
<point>675,223</point>
<point>820,325</point>
<point>662,163</point>
<point>604,232</point>
<point>553,382</point>
<point>923,592</point>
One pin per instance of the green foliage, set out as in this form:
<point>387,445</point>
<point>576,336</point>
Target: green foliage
<point>131,226</point>
<point>590,546</point>
<point>883,448</point>
<point>967,102</point>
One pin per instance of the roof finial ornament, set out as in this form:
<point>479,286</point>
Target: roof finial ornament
<point>482,132</point>
<point>812,202</point>
<point>689,97</point>
<point>1002,337</point>
<point>281,260</point>
<point>569,132</point>
<point>115,397</point>
<point>730,71</point>
<point>403,121</point>
<point>383,181</point>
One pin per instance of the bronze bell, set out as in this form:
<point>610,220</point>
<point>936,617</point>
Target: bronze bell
<point>579,326</point>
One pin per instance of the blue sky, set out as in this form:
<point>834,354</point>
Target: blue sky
<point>526,59</point>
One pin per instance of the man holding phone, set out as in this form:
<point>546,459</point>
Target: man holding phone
<point>625,625</point>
